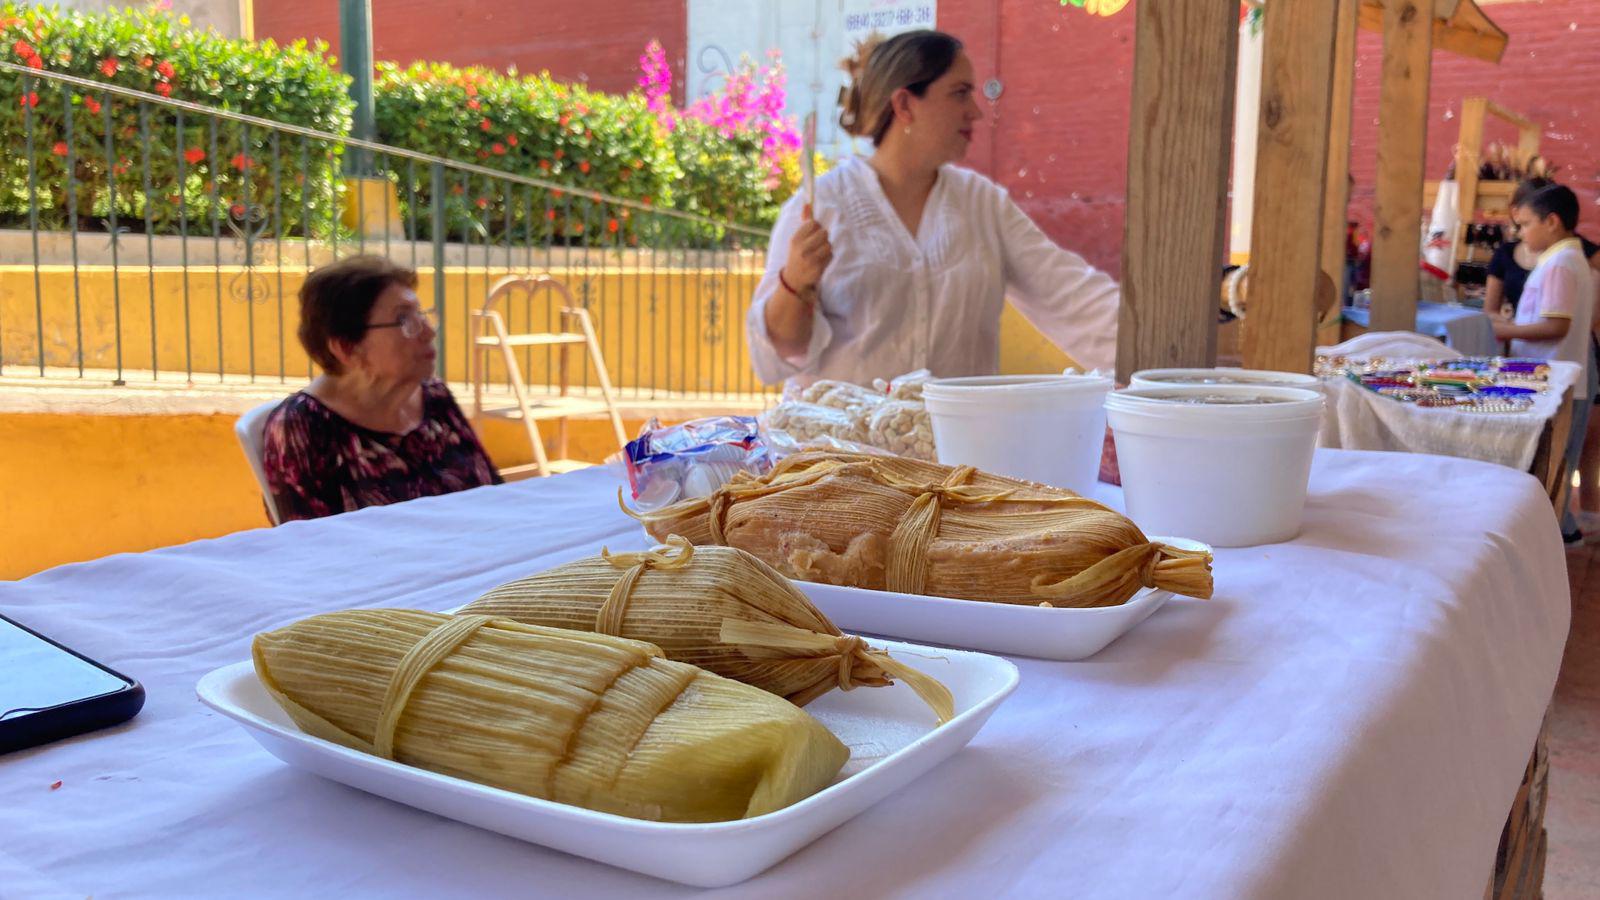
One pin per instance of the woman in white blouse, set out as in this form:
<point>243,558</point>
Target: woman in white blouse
<point>907,259</point>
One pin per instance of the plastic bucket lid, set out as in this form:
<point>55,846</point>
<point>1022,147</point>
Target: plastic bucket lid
<point>1014,391</point>
<point>1222,376</point>
<point>1220,403</point>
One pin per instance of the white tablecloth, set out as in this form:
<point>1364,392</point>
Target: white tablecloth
<point>1349,717</point>
<point>1359,419</point>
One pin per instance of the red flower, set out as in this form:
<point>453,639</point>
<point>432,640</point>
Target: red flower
<point>499,149</point>
<point>457,189</point>
<point>194,155</point>
<point>31,101</point>
<point>485,124</point>
<point>560,153</point>
<point>645,200</point>
<point>587,133</point>
<point>578,227</point>
<point>60,149</point>
<point>91,104</point>
<point>582,110</point>
<point>473,104</point>
<point>483,203</point>
<point>583,166</point>
<point>483,154</point>
<point>35,62</point>
<point>23,49</point>
<point>557,193</point>
<point>242,162</point>
<point>511,139</point>
<point>164,89</point>
<point>238,210</point>
<point>550,214</point>
<point>472,90</point>
<point>565,119</point>
<point>544,164</point>
<point>612,226</point>
<point>166,70</point>
<point>146,63</point>
<point>108,67</point>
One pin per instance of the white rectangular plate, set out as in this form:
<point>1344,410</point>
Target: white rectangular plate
<point>890,732</point>
<point>1045,632</point>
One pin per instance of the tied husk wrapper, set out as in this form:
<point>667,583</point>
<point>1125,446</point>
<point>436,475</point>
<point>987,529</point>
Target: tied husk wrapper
<point>897,524</point>
<point>718,608</point>
<point>584,719</point>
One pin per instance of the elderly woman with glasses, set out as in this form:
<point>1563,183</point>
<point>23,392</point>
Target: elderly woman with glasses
<point>376,427</point>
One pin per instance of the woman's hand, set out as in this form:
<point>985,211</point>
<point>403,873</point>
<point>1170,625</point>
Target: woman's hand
<point>809,254</point>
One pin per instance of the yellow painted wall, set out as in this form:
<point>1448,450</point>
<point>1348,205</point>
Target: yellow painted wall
<point>76,487</point>
<point>650,323</point>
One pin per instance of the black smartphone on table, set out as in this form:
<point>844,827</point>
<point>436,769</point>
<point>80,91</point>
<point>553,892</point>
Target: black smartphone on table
<point>49,691</point>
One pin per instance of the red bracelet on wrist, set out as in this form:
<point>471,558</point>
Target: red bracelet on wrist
<point>786,285</point>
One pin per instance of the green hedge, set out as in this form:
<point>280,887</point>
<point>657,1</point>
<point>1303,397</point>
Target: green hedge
<point>222,169</point>
<point>525,125</point>
<point>531,126</point>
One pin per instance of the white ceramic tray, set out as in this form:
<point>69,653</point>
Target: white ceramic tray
<point>890,732</point>
<point>1046,633</point>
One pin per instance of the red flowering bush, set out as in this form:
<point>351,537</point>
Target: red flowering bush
<point>532,126</point>
<point>148,51</point>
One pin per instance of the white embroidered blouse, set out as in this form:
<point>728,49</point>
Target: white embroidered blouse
<point>890,303</point>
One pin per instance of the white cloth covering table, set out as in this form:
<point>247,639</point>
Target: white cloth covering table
<point>1358,419</point>
<point>1348,717</point>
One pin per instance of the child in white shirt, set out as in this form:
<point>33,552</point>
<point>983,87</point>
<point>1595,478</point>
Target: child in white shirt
<point>1557,308</point>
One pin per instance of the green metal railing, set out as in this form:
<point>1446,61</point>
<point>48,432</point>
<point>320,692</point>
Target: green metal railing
<point>131,217</point>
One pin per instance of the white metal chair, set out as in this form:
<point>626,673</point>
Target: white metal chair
<point>250,430</point>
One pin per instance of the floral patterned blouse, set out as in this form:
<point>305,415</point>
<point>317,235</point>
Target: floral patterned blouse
<point>319,463</point>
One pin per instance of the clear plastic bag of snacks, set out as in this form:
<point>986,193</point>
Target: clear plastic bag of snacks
<point>887,418</point>
<point>691,460</point>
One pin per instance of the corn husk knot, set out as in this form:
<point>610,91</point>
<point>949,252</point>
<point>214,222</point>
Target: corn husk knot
<point>714,607</point>
<point>904,525</point>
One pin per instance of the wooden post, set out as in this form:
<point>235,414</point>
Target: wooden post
<point>1291,181</point>
<point>1336,202</point>
<point>1469,155</point>
<point>1402,142</point>
<point>1179,151</point>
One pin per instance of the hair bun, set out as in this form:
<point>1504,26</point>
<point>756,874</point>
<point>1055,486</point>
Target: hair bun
<point>855,68</point>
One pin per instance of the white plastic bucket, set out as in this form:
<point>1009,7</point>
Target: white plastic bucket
<point>1044,428</point>
<point>1223,376</point>
<point>1231,473</point>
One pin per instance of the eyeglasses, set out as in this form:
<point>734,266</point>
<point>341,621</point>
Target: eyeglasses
<point>411,322</point>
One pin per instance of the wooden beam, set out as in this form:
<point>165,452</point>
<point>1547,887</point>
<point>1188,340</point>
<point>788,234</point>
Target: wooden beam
<point>1402,142</point>
<point>1469,157</point>
<point>1336,198</point>
<point>1468,33</point>
<point>1179,152</point>
<point>1291,181</point>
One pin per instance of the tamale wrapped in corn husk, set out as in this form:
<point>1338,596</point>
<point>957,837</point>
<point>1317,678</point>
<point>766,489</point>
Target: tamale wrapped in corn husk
<point>585,719</point>
<point>897,524</point>
<point>718,608</point>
